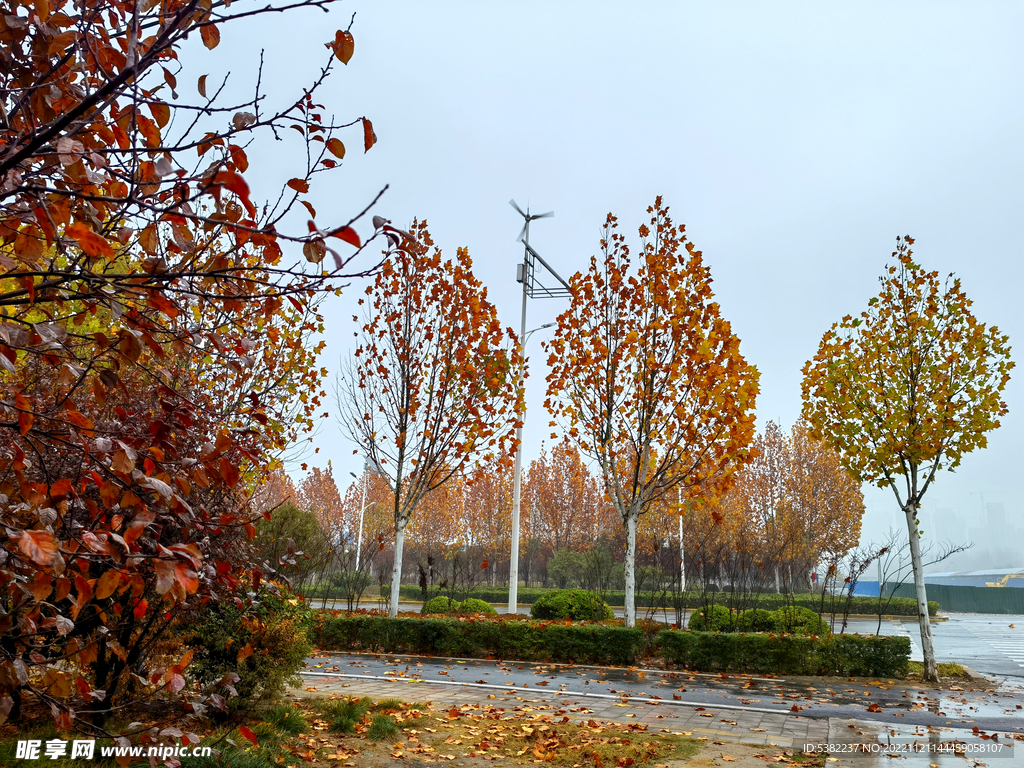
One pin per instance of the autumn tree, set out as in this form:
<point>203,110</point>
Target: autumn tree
<point>907,388</point>
<point>647,375</point>
<point>826,505</point>
<point>488,503</point>
<point>155,323</point>
<point>318,493</point>
<point>563,498</point>
<point>761,497</point>
<point>434,384</point>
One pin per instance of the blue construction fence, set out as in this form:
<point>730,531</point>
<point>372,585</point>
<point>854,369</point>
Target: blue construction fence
<point>957,599</point>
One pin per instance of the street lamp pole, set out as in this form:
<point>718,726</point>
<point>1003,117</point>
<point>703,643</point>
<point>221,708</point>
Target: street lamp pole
<point>533,287</point>
<point>362,509</point>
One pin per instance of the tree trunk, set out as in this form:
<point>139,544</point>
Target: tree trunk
<point>931,669</point>
<point>630,596</point>
<point>396,573</point>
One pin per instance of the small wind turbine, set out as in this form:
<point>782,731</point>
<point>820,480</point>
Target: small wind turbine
<point>524,233</point>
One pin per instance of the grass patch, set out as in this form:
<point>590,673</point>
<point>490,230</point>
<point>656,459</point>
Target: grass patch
<point>949,670</point>
<point>386,705</point>
<point>383,728</point>
<point>343,714</point>
<point>287,719</point>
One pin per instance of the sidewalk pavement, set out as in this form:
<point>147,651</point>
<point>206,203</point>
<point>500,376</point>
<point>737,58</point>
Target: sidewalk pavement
<point>746,725</point>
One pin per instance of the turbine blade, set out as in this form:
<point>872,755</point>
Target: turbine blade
<point>547,215</point>
<point>513,204</point>
<point>522,234</point>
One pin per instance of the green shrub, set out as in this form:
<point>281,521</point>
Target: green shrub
<point>574,604</point>
<point>440,605</point>
<point>713,618</point>
<point>471,605</point>
<point>847,655</point>
<point>276,627</point>
<point>800,621</point>
<point>755,620</point>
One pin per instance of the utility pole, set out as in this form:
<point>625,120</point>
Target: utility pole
<point>526,273</point>
<point>362,510</point>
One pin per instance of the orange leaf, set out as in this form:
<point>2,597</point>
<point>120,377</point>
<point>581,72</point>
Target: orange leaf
<point>299,185</point>
<point>336,148</point>
<point>344,46</point>
<point>141,606</point>
<point>91,244</point>
<point>248,734</point>
<point>39,546</point>
<point>25,415</point>
<point>108,582</point>
<point>161,112</point>
<point>210,35</point>
<point>369,137</point>
<point>244,653</point>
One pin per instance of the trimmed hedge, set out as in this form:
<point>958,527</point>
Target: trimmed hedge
<point>847,655</point>
<point>574,604</point>
<point>524,640</point>
<point>900,606</point>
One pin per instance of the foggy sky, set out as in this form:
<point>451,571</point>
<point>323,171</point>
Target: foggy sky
<point>795,141</point>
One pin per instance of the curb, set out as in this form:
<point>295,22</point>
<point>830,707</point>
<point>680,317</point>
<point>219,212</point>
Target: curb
<point>976,676</point>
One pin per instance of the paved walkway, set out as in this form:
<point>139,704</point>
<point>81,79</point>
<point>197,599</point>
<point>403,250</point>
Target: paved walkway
<point>747,725</point>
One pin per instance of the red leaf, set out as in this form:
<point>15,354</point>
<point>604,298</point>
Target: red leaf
<point>248,734</point>
<point>141,606</point>
<point>299,185</point>
<point>348,235</point>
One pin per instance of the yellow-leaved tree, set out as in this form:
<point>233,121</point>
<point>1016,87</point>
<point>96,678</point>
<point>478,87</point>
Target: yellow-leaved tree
<point>906,389</point>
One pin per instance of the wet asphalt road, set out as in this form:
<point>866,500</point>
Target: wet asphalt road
<point>876,700</point>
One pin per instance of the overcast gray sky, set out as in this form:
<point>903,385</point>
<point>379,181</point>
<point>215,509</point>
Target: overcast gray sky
<point>795,141</point>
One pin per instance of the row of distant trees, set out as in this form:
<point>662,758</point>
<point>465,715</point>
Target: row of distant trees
<point>792,507</point>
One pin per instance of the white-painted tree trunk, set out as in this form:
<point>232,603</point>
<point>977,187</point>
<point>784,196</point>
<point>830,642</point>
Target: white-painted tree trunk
<point>630,597</point>
<point>396,573</point>
<point>931,669</point>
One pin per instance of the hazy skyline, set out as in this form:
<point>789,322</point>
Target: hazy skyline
<point>795,141</point>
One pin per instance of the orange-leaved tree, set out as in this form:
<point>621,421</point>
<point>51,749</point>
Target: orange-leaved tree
<point>155,318</point>
<point>564,499</point>
<point>826,505</point>
<point>647,376</point>
<point>434,386</point>
<point>906,389</point>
